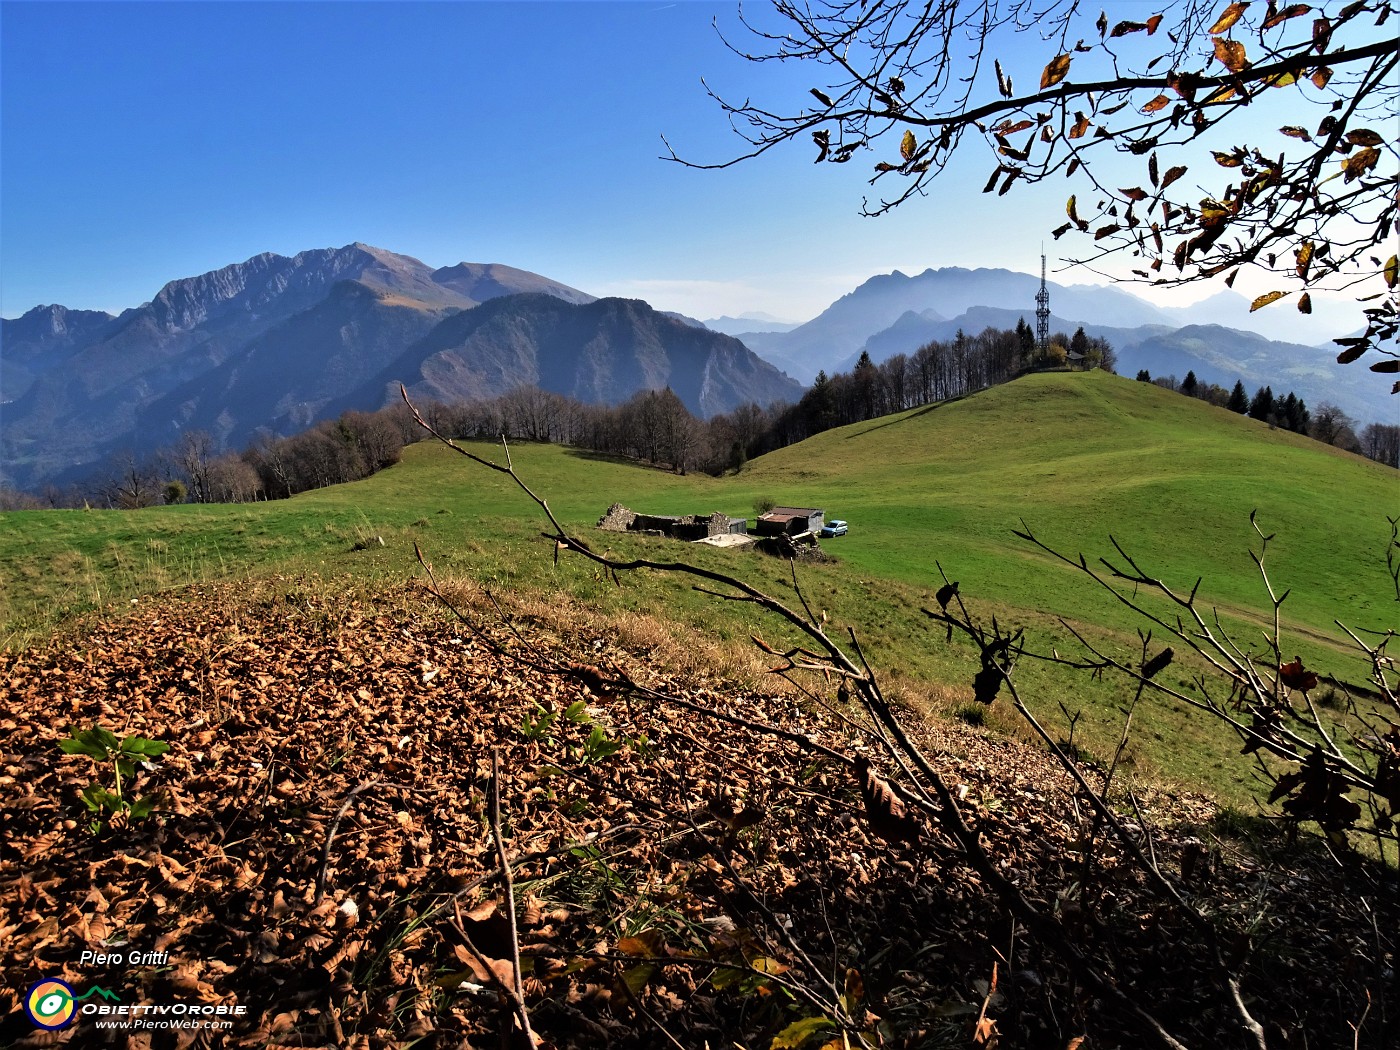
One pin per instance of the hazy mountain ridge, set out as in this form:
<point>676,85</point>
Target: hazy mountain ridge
<point>42,339</point>
<point>904,313</point>
<point>748,324</point>
<point>1312,373</point>
<point>601,352</point>
<point>840,330</point>
<point>277,342</point>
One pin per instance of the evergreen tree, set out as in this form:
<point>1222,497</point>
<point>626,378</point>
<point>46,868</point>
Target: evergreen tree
<point>1262,407</point>
<point>819,405</point>
<point>864,380</point>
<point>1025,341</point>
<point>1190,385</point>
<point>1239,400</point>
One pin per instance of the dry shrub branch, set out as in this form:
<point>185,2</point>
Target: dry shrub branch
<point>1212,941</point>
<point>382,824</point>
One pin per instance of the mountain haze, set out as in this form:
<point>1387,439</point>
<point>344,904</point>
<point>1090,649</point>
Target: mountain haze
<point>278,342</point>
<point>742,326</point>
<point>842,328</point>
<point>893,314</point>
<point>601,353</point>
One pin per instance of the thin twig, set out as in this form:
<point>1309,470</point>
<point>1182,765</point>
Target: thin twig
<point>509,881</point>
<point>330,836</point>
<point>512,991</point>
<point>901,746</point>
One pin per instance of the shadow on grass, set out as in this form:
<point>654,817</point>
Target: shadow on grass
<point>912,415</point>
<point>609,457</point>
<point>1297,846</point>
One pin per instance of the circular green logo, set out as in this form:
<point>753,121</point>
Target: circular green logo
<point>49,1003</point>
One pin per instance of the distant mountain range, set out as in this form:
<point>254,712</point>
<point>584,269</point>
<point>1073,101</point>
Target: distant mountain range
<point>755,322</point>
<point>843,328</point>
<point>277,343</point>
<point>894,313</point>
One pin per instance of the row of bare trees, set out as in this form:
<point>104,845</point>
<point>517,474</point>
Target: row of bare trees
<point>654,426</point>
<point>196,469</point>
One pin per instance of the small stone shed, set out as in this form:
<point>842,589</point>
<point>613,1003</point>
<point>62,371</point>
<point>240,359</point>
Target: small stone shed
<point>681,527</point>
<point>789,521</point>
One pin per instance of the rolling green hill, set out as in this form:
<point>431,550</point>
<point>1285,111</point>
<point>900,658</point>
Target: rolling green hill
<point>1079,457</point>
<point>1076,456</point>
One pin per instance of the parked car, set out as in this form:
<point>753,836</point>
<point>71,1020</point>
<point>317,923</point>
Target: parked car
<point>834,527</point>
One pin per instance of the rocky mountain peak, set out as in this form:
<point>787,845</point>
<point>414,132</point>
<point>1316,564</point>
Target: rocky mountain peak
<point>482,281</point>
<point>55,321</point>
<point>276,341</point>
<point>51,323</point>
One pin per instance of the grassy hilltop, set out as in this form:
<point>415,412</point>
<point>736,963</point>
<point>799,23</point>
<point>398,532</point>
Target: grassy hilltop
<point>1076,456</point>
<point>1080,457</point>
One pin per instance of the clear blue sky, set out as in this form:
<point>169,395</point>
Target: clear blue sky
<point>141,142</point>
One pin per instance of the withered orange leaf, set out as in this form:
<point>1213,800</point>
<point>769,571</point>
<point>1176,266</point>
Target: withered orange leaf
<point>1055,72</point>
<point>1295,676</point>
<point>1231,53</point>
<point>1228,18</point>
<point>883,808</point>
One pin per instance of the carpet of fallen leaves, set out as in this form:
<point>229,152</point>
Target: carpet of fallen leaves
<point>322,855</point>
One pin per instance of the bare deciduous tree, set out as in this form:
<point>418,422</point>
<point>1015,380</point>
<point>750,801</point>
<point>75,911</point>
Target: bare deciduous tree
<point>1221,176</point>
<point>131,483</point>
<point>233,480</point>
<point>1331,425</point>
<point>1381,442</point>
<point>192,455</point>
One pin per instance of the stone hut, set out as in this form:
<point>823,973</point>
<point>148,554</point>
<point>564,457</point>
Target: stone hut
<point>677,527</point>
<point>789,521</point>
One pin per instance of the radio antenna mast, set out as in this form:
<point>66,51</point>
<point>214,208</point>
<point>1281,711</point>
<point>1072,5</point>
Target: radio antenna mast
<point>1042,311</point>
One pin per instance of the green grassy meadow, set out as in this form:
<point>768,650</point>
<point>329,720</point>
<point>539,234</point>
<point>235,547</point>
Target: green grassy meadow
<point>1077,457</point>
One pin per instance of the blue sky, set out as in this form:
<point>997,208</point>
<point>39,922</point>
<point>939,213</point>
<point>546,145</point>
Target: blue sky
<point>140,142</point>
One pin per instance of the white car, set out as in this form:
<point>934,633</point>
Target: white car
<point>834,527</point>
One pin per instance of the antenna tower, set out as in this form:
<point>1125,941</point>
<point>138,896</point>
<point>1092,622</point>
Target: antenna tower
<point>1042,312</point>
